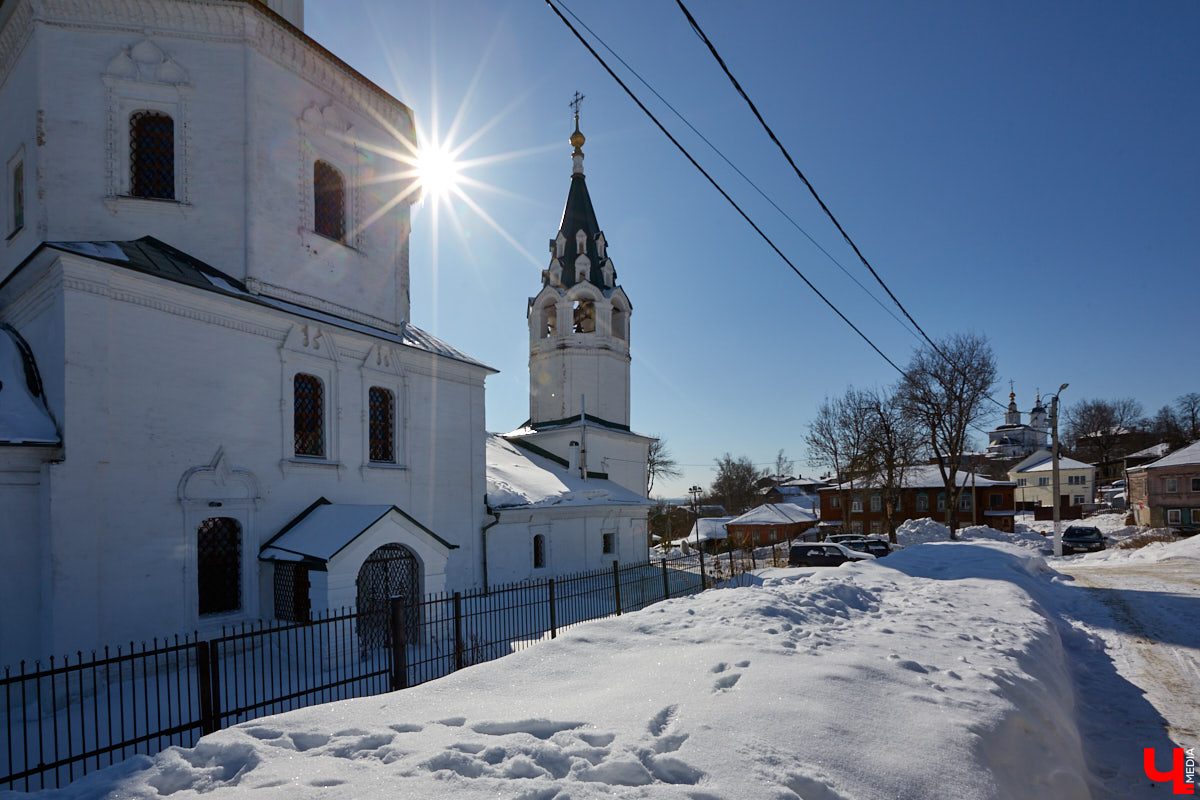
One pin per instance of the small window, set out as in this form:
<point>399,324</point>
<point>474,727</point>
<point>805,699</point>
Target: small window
<point>1196,484</point>
<point>309,416</point>
<point>835,501</point>
<point>382,414</point>
<point>876,526</point>
<point>856,504</point>
<point>996,500</point>
<point>610,543</point>
<point>152,155</point>
<point>219,565</point>
<point>1172,485</point>
<point>547,324</point>
<point>922,502</point>
<point>965,501</point>
<point>1043,481</point>
<point>1077,500</point>
<point>941,501</point>
<point>539,551</point>
<point>329,202</point>
<point>18,196</point>
<point>856,526</point>
<point>1020,481</point>
<point>876,503</point>
<point>1174,516</point>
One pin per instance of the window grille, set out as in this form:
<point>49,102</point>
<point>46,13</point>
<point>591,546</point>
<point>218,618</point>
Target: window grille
<point>152,155</point>
<point>329,201</point>
<point>539,551</point>
<point>219,565</point>
<point>390,571</point>
<point>309,420</point>
<point>382,414</point>
<point>610,543</point>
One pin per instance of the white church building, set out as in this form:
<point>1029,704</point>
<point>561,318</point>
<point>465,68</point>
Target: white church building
<point>214,406</point>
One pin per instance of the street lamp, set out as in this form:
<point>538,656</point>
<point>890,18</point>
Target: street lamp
<point>1054,470</point>
<point>695,492</point>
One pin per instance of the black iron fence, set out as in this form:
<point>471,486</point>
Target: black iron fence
<point>68,717</point>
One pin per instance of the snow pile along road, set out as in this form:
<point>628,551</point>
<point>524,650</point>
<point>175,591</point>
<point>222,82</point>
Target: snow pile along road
<point>932,673</point>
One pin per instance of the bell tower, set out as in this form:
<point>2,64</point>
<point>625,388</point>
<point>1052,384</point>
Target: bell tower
<point>579,322</point>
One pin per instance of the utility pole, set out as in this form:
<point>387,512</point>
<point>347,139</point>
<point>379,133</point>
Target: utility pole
<point>1054,470</point>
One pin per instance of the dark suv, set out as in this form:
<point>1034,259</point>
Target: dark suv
<point>875,547</point>
<point>823,555</point>
<point>1082,539</point>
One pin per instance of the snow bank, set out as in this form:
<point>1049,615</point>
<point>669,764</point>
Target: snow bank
<point>920,531</point>
<point>1151,553</point>
<point>1022,537</point>
<point>931,673</point>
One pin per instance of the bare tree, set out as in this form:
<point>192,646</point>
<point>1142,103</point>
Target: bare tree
<point>734,485</point>
<point>660,463</point>
<point>946,392</point>
<point>1188,406</point>
<point>784,465</point>
<point>1095,429</point>
<point>893,444</point>
<point>838,440</point>
<point>1166,426</point>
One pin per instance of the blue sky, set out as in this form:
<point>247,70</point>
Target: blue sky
<point>1029,171</point>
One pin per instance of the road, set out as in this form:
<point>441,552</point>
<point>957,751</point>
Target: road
<point>1141,686</point>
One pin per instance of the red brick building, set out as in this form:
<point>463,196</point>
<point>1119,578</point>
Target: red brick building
<point>983,501</point>
<point>770,523</point>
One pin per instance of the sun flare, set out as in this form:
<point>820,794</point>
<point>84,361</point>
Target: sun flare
<point>439,172</point>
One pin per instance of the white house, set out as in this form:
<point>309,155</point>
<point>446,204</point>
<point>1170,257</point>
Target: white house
<point>1034,479</point>
<point>207,346</point>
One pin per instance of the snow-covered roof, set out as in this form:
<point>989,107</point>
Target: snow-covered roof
<point>1185,456</point>
<point>518,478</point>
<point>1155,451</point>
<point>324,528</point>
<point>24,417</point>
<point>1047,465</point>
<point>151,256</point>
<point>710,528</point>
<point>774,514</point>
<point>926,476</point>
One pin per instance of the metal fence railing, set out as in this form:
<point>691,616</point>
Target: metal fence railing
<point>71,716</point>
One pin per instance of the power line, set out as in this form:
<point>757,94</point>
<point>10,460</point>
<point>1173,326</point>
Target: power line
<point>812,190</point>
<point>717,186</point>
<point>735,168</point>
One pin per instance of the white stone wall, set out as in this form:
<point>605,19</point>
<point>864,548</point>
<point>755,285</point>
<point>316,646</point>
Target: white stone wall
<point>152,379</point>
<point>574,540</point>
<point>227,74</point>
<point>623,455</point>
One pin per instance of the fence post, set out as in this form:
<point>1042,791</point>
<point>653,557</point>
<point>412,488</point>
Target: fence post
<point>459,650</point>
<point>731,572</point>
<point>703,577</point>
<point>208,675</point>
<point>399,620</point>
<point>617,585</point>
<point>553,612</point>
<point>753,561</point>
<point>666,583</point>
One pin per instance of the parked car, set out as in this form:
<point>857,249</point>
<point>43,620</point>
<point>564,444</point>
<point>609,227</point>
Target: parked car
<point>845,537</point>
<point>1082,539</point>
<point>824,554</point>
<point>876,547</point>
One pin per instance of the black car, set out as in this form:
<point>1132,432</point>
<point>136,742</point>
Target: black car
<point>823,555</point>
<point>1082,539</point>
<point>875,547</point>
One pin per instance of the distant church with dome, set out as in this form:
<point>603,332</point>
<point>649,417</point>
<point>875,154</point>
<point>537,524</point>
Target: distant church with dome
<point>1016,440</point>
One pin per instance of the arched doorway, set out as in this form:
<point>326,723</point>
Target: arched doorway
<point>390,571</point>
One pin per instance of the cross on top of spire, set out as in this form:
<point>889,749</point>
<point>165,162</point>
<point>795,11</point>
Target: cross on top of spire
<point>575,101</point>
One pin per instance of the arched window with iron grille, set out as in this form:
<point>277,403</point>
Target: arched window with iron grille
<point>382,412</point>
<point>152,155</point>
<point>329,201</point>
<point>309,415</point>
<point>219,565</point>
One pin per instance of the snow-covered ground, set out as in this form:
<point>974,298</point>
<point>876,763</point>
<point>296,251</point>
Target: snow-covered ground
<point>950,670</point>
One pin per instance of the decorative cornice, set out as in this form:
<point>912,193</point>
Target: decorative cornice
<point>247,21</point>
